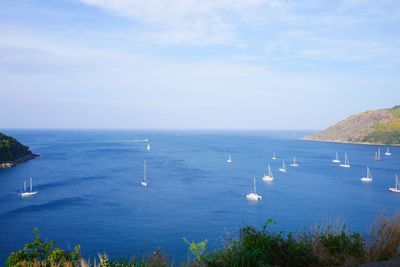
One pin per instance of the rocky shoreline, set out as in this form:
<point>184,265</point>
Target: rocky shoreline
<point>348,142</point>
<point>10,164</point>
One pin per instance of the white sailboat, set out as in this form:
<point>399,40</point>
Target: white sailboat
<point>148,146</point>
<point>294,163</point>
<point>336,160</point>
<point>144,181</point>
<point>395,189</point>
<point>27,193</point>
<point>346,163</point>
<point>274,156</point>
<point>388,153</point>
<point>253,196</point>
<point>270,176</point>
<point>368,178</point>
<point>378,155</point>
<point>229,160</point>
<point>283,168</point>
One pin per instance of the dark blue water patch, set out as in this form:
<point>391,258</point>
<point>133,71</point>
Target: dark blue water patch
<point>56,204</point>
<point>54,156</point>
<point>111,150</point>
<point>10,197</point>
<point>70,182</point>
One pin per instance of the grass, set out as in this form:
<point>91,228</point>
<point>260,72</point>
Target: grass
<point>331,245</point>
<point>385,239</point>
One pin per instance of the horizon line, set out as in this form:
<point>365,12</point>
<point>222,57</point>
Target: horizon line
<point>160,129</point>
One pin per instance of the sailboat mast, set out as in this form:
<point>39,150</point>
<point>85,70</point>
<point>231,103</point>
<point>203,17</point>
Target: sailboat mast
<point>255,186</point>
<point>24,186</point>
<point>31,183</point>
<point>145,170</point>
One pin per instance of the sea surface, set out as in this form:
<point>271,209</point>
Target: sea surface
<point>90,192</point>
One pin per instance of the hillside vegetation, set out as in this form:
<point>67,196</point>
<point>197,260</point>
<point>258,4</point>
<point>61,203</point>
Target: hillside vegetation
<point>380,126</point>
<point>12,151</point>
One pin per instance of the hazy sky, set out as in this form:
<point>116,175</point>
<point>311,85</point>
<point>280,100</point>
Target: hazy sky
<point>264,64</point>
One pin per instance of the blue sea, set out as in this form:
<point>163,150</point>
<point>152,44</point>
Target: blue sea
<point>90,192</point>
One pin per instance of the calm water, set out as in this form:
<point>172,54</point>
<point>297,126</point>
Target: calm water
<point>90,192</point>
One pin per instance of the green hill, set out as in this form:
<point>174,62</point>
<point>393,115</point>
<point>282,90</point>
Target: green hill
<point>380,126</point>
<point>13,152</point>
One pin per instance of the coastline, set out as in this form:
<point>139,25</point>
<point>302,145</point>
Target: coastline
<point>348,142</point>
<point>10,164</point>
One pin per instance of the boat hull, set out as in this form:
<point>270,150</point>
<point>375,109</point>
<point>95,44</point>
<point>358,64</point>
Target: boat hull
<point>336,161</point>
<point>253,197</point>
<point>28,194</point>
<point>394,190</point>
<point>344,166</point>
<point>366,179</point>
<point>267,178</point>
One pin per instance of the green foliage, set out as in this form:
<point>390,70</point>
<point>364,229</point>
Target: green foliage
<point>330,246</point>
<point>339,247</point>
<point>11,149</point>
<point>265,248</point>
<point>395,111</point>
<point>43,252</point>
<point>392,137</point>
<point>197,249</point>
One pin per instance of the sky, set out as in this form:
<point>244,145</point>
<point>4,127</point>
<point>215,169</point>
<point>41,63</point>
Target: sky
<point>192,64</point>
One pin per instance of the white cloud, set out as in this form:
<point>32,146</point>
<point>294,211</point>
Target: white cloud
<point>187,21</point>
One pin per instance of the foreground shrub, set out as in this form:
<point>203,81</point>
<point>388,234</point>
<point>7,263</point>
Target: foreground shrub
<point>332,245</point>
<point>264,248</point>
<point>385,238</point>
<point>328,247</point>
<point>43,254</point>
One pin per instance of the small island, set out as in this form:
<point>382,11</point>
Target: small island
<point>380,126</point>
<point>13,152</point>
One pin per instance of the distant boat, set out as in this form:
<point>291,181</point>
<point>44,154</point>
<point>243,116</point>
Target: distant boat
<point>346,162</point>
<point>229,160</point>
<point>270,176</point>
<point>396,189</point>
<point>274,156</point>
<point>27,193</point>
<point>144,181</point>
<point>368,178</point>
<point>378,155</point>
<point>336,160</point>
<point>283,168</point>
<point>294,163</point>
<point>148,146</point>
<point>253,196</point>
<point>388,153</point>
